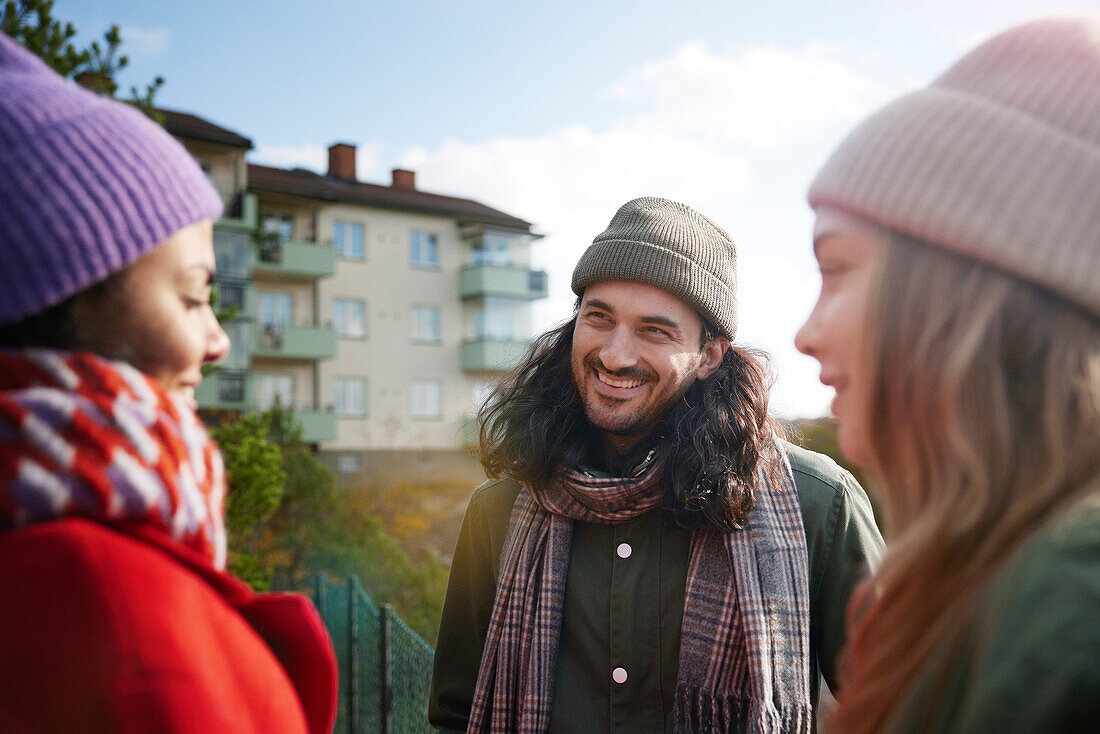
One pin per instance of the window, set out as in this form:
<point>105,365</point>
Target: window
<point>349,463</point>
<point>231,386</point>
<point>492,249</point>
<point>276,313</point>
<point>349,317</point>
<point>276,309</point>
<point>240,333</point>
<point>481,394</point>
<point>267,389</point>
<point>230,295</point>
<point>424,249</point>
<point>280,225</point>
<point>424,324</point>
<point>348,238</point>
<point>497,319</point>
<point>493,325</point>
<point>427,399</point>
<point>233,253</point>
<point>350,396</point>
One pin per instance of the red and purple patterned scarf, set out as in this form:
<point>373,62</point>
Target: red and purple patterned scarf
<point>84,436</point>
<point>745,640</point>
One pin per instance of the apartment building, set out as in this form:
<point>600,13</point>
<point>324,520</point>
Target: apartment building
<point>382,314</point>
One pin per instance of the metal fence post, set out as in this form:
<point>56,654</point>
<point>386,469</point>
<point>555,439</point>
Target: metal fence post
<point>322,605</point>
<point>353,656</point>
<point>385,661</point>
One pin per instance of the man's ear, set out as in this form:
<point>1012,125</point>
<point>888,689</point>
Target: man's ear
<point>713,352</point>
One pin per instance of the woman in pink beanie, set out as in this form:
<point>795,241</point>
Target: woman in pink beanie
<point>958,235</point>
<point>118,614</point>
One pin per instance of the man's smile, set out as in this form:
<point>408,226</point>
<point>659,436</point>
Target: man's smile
<point>624,383</point>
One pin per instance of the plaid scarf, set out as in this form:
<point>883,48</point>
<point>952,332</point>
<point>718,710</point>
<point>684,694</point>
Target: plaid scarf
<point>744,650</point>
<point>83,436</point>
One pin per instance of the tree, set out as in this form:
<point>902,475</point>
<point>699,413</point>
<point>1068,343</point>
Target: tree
<point>287,521</point>
<point>96,67</point>
<point>255,478</point>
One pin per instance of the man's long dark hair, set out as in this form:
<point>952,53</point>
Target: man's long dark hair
<point>710,444</point>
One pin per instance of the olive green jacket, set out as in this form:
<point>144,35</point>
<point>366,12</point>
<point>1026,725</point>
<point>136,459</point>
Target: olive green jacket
<point>1030,662</point>
<point>624,603</point>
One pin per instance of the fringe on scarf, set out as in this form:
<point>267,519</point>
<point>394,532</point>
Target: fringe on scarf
<point>698,712</point>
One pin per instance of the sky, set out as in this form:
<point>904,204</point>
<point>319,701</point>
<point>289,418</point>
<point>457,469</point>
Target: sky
<point>560,112</point>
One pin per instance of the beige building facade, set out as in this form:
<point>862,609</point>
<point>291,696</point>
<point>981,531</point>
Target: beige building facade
<point>382,314</point>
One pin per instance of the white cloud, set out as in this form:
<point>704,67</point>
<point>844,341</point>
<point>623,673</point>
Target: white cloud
<point>145,43</point>
<point>758,96</point>
<point>735,135</point>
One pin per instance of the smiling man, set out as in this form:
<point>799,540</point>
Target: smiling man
<point>650,556</point>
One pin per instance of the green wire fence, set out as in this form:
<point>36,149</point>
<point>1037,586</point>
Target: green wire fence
<point>385,667</point>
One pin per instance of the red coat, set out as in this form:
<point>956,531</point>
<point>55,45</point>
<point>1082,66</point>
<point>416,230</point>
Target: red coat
<point>104,631</point>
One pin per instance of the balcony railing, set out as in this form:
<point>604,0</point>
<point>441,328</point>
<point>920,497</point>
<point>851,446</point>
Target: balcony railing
<point>233,390</point>
<point>293,342</point>
<point>491,355</point>
<point>499,280</point>
<point>294,258</point>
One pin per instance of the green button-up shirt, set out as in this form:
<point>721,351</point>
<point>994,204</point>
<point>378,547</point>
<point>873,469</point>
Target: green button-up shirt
<point>618,655</point>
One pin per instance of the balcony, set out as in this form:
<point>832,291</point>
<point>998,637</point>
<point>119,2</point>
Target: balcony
<point>317,425</point>
<point>502,280</point>
<point>293,259</point>
<point>468,431</point>
<point>225,390</point>
<point>232,391</point>
<point>491,355</point>
<point>293,342</point>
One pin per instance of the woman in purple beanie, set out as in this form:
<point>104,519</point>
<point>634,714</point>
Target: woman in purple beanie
<point>958,235</point>
<point>117,613</point>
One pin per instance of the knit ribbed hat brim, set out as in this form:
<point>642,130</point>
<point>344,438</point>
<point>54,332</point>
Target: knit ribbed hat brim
<point>997,160</point>
<point>87,186</point>
<point>671,246</point>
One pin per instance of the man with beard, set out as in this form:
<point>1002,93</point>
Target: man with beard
<point>650,555</point>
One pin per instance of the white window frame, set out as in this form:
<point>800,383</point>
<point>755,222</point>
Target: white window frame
<point>426,399</point>
<point>279,316</point>
<point>342,321</point>
<point>349,463</point>
<point>420,324</point>
<point>283,387</point>
<point>340,397</point>
<point>344,239</point>
<point>423,249</point>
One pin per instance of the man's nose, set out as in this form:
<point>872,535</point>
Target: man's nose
<point>619,351</point>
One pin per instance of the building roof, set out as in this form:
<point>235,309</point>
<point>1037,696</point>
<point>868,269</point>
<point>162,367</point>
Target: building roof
<point>185,125</point>
<point>300,182</point>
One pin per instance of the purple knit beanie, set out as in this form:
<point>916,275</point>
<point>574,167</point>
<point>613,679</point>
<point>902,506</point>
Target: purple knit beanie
<point>87,186</point>
<point>998,159</point>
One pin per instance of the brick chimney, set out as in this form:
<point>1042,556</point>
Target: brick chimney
<point>404,179</point>
<point>341,161</point>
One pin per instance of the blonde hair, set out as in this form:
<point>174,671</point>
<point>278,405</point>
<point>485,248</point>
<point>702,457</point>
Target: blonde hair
<point>986,427</point>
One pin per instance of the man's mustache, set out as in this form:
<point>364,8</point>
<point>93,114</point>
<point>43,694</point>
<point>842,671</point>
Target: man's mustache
<point>629,373</point>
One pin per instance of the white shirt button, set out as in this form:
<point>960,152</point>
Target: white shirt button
<point>624,550</point>
<point>619,675</point>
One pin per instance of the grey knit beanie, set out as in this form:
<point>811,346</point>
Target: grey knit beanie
<point>998,159</point>
<point>87,186</point>
<point>673,247</point>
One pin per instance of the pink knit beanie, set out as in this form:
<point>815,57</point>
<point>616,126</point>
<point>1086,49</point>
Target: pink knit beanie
<point>87,186</point>
<point>998,159</point>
